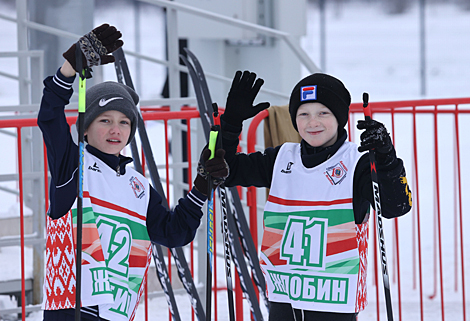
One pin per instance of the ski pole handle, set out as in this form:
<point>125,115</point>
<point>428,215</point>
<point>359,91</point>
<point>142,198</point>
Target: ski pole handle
<point>214,139</point>
<point>216,114</point>
<point>365,104</point>
<point>213,142</point>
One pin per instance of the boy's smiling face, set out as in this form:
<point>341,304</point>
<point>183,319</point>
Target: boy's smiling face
<point>109,132</point>
<point>317,124</point>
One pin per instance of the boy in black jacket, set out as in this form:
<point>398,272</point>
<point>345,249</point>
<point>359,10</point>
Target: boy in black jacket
<point>314,248</point>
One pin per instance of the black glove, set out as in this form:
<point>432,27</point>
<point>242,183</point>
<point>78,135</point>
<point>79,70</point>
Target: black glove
<point>240,99</point>
<point>216,168</point>
<point>375,137</point>
<point>96,47</point>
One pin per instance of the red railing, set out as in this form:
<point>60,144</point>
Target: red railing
<point>422,263</point>
<point>406,113</point>
<point>150,114</point>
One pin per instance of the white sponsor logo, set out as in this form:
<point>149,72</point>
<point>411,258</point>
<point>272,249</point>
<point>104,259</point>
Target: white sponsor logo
<point>103,102</point>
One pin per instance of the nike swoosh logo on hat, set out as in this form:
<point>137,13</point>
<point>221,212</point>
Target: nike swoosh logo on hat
<point>103,102</point>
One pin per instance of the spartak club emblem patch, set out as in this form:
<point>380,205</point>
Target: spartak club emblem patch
<point>336,173</point>
<point>137,187</point>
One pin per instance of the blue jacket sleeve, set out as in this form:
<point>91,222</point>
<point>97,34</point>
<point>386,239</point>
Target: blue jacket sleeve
<point>62,152</point>
<point>174,228</point>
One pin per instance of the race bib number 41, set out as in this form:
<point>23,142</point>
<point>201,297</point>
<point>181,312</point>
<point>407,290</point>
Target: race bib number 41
<point>304,242</point>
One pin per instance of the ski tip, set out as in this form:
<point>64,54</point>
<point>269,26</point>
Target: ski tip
<point>365,99</point>
<point>183,58</point>
<point>189,53</point>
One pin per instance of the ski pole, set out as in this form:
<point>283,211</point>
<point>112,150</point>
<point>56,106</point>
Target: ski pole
<point>224,224</point>
<point>249,249</point>
<point>378,210</point>
<point>81,147</point>
<point>213,135</point>
<point>124,77</point>
<point>236,213</point>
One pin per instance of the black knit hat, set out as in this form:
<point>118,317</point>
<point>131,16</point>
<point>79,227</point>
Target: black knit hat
<point>111,95</point>
<point>324,89</point>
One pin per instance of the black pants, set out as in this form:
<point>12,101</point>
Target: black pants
<point>284,312</point>
<point>68,315</point>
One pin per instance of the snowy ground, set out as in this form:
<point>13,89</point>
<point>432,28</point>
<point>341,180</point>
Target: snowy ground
<point>374,52</point>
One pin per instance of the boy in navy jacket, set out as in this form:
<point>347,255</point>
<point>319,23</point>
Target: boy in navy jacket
<point>122,212</point>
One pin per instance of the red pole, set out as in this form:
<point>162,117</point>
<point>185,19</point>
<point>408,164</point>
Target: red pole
<point>456,228</point>
<point>376,272</point>
<point>20,174</point>
<point>397,238</point>
<point>462,259</point>
<point>238,298</point>
<point>188,139</point>
<point>416,205</point>
<point>436,156</point>
<point>146,290</point>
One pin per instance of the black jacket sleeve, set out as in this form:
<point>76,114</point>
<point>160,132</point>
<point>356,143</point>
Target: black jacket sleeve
<point>395,194</point>
<point>254,169</point>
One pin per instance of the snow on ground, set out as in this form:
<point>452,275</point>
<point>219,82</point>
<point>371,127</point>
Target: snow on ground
<point>370,51</point>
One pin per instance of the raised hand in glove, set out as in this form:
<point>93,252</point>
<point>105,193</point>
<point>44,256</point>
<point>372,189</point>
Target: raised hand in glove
<point>240,98</point>
<point>96,47</point>
<point>216,168</point>
<point>377,138</point>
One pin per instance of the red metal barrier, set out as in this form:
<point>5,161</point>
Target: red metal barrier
<point>420,277</point>
<point>438,109</point>
<point>149,114</point>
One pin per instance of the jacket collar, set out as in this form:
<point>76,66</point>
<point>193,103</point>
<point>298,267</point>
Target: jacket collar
<point>117,163</point>
<point>313,156</point>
